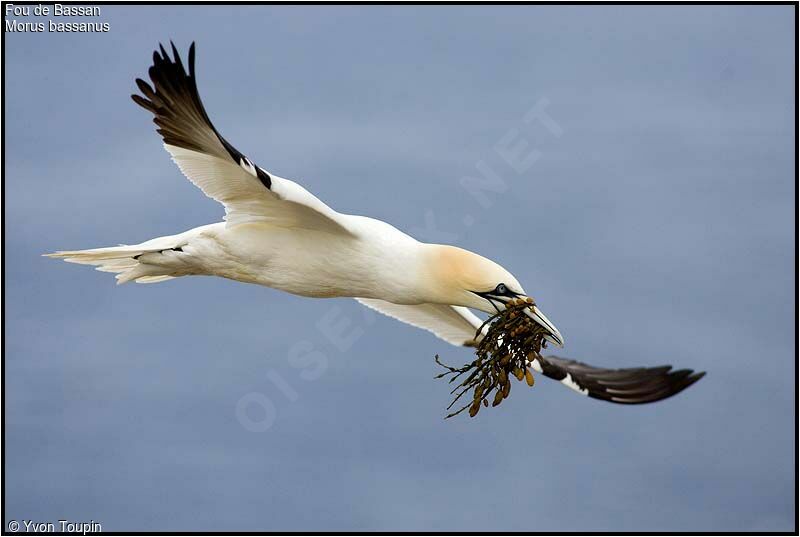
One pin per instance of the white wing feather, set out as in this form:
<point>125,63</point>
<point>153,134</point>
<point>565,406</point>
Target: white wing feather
<point>454,324</point>
<point>245,198</point>
<point>248,192</point>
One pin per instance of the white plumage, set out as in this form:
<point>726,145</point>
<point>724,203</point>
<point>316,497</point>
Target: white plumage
<point>279,235</point>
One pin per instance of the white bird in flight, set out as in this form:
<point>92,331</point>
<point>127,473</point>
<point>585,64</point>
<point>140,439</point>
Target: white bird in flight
<point>279,235</point>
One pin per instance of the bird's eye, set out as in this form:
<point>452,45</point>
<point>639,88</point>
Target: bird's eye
<point>501,289</point>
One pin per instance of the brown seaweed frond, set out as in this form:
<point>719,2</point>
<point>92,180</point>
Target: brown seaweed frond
<point>511,342</point>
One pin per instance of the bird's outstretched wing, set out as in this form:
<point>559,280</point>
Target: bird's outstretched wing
<point>626,386</point>
<point>458,326</point>
<point>454,324</point>
<point>248,192</point>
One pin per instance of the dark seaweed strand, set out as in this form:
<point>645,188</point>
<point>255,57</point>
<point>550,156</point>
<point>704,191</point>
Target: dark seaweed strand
<point>522,341</point>
<point>512,340</point>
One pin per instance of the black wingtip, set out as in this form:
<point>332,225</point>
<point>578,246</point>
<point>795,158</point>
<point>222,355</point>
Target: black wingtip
<point>623,386</point>
<point>191,60</point>
<point>176,56</point>
<point>695,377</point>
<point>144,87</point>
<point>178,110</point>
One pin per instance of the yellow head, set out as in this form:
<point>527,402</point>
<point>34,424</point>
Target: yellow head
<point>462,278</point>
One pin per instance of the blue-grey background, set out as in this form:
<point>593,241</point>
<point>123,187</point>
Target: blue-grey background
<point>658,228</point>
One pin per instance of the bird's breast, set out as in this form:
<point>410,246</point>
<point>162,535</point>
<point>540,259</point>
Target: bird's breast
<point>319,264</point>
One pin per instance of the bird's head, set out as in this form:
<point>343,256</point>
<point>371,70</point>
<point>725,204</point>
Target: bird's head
<point>464,278</point>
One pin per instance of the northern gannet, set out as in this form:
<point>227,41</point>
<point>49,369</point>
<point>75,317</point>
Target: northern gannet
<point>279,235</point>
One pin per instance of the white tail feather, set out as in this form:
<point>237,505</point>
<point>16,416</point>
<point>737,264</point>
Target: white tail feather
<point>125,259</point>
<point>156,260</point>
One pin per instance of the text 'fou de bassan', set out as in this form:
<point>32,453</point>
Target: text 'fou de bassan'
<point>54,10</point>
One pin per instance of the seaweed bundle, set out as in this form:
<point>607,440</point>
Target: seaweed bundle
<point>512,341</point>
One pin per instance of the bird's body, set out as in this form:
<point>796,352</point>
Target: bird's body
<point>279,235</point>
<point>305,262</point>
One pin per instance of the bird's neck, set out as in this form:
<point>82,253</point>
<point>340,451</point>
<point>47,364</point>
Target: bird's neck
<point>447,273</point>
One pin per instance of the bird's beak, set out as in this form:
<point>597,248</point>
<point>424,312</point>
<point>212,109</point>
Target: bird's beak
<point>498,303</point>
<point>554,336</point>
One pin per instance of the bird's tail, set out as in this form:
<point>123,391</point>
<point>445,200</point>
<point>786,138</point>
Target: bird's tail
<point>152,261</point>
